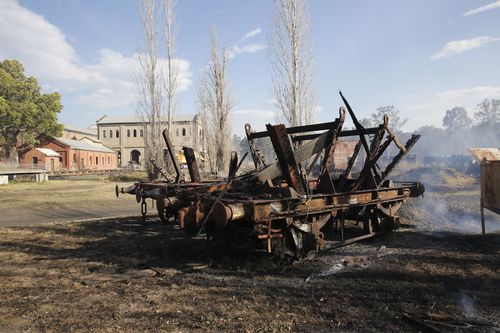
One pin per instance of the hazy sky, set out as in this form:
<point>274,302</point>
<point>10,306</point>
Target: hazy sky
<point>422,56</point>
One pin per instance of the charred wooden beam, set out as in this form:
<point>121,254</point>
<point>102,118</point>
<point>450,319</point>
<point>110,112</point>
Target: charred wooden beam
<point>286,158</point>
<point>194,172</point>
<point>410,143</point>
<point>324,180</point>
<point>171,153</point>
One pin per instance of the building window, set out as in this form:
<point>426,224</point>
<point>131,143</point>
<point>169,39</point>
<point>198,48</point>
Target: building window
<point>128,133</point>
<point>141,132</point>
<point>183,132</point>
<point>117,133</point>
<point>177,132</point>
<point>97,160</point>
<point>111,133</point>
<point>104,133</point>
<point>90,160</point>
<point>109,159</point>
<point>74,158</point>
<point>102,160</point>
<point>135,133</point>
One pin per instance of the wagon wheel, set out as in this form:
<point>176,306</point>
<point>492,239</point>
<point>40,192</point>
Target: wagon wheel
<point>163,212</point>
<point>383,217</point>
<point>295,244</point>
<point>389,215</point>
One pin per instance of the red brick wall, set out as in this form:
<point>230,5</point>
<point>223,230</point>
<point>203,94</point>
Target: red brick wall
<point>92,160</point>
<point>343,151</point>
<point>43,161</point>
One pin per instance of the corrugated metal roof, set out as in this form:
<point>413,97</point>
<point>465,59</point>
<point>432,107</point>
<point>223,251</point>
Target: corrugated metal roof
<point>48,152</point>
<point>92,132</point>
<point>491,154</point>
<point>82,145</point>
<point>135,119</point>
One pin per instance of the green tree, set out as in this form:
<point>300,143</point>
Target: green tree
<point>456,119</point>
<point>395,120</point>
<point>488,112</point>
<point>25,113</point>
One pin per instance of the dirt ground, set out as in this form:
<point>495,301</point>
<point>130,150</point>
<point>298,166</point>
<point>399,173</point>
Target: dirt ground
<point>27,203</point>
<point>127,276</point>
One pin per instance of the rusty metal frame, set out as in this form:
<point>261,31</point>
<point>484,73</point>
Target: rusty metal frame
<point>279,202</point>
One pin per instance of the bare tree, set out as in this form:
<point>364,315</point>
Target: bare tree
<point>215,103</point>
<point>149,86</point>
<point>290,52</point>
<point>171,80</point>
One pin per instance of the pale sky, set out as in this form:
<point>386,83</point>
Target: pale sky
<point>422,56</point>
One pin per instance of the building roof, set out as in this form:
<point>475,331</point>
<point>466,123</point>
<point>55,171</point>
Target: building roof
<point>91,138</point>
<point>48,152</point>
<point>491,154</point>
<point>83,145</point>
<point>92,132</point>
<point>135,119</point>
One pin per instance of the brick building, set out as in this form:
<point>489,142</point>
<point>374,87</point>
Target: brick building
<point>42,158</point>
<point>74,155</point>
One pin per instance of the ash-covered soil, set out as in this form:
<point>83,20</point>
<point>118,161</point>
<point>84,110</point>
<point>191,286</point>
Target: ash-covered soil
<point>126,276</point>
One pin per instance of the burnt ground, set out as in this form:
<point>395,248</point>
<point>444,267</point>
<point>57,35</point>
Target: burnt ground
<point>123,276</point>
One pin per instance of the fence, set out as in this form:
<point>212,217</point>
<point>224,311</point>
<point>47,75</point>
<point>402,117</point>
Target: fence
<point>12,165</point>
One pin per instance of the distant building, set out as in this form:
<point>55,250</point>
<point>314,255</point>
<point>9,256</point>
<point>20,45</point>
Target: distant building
<point>75,133</point>
<point>125,135</point>
<point>71,155</point>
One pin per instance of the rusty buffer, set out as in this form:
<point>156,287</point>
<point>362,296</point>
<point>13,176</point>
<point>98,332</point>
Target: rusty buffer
<point>300,201</point>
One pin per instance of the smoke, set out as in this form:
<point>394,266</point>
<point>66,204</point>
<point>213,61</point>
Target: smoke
<point>440,213</point>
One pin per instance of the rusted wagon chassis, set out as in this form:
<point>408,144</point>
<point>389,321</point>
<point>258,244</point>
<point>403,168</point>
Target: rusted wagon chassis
<point>284,204</point>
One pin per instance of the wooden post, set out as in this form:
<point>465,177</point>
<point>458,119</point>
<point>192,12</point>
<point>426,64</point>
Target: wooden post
<point>483,180</point>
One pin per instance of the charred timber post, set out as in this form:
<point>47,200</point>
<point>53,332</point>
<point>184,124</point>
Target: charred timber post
<point>284,151</point>
<point>359,127</point>
<point>325,183</point>
<point>194,172</point>
<point>170,148</point>
<point>233,164</point>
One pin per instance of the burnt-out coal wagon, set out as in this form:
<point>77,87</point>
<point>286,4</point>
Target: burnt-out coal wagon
<point>298,202</point>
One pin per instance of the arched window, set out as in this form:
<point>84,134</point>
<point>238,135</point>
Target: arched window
<point>183,132</point>
<point>177,132</point>
<point>135,133</point>
<point>128,133</point>
<point>97,160</point>
<point>141,131</point>
<point>104,133</point>
<point>90,160</point>
<point>111,133</point>
<point>117,133</point>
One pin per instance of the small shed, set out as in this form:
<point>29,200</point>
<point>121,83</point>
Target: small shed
<point>490,179</point>
<point>43,158</point>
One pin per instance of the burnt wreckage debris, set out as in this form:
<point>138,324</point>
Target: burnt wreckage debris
<point>281,204</point>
